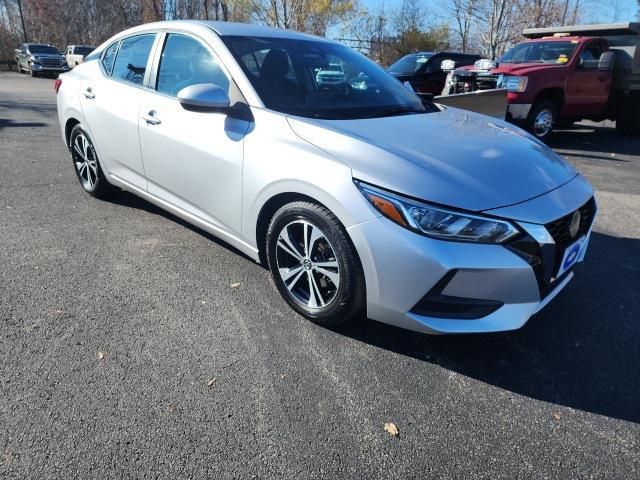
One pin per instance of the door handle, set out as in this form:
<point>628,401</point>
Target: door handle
<point>150,118</point>
<point>88,93</point>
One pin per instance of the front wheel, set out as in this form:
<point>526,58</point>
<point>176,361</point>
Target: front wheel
<point>542,119</point>
<point>314,265</point>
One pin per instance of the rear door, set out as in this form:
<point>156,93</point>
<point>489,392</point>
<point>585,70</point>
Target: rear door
<point>110,100</point>
<point>193,160</point>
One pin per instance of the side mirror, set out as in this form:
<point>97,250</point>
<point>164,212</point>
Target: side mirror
<point>447,65</point>
<point>204,97</point>
<point>607,61</point>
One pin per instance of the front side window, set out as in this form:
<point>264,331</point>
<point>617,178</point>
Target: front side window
<point>131,60</point>
<point>318,79</point>
<point>184,62</point>
<point>109,56</point>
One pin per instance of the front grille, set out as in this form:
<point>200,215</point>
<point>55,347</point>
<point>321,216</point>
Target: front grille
<point>51,62</point>
<point>475,81</point>
<point>559,229</point>
<point>545,260</point>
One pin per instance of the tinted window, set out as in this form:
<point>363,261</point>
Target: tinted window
<point>320,79</point>
<point>410,64</point>
<point>109,57</point>
<point>184,62</point>
<point>131,61</point>
<point>42,49</point>
<point>82,50</point>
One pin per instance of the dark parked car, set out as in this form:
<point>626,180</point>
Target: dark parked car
<point>423,70</point>
<point>37,58</point>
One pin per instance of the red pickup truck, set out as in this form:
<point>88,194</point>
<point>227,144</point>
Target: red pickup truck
<point>561,75</point>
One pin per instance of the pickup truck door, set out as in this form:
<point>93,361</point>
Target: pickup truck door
<point>587,88</point>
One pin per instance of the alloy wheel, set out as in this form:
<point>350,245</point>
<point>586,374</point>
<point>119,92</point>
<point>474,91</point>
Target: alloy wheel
<point>307,264</point>
<point>85,162</point>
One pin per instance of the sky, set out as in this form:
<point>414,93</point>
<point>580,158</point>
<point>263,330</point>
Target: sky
<point>598,11</point>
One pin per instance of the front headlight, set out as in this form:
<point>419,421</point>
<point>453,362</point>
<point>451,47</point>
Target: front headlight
<point>35,60</point>
<point>438,222</point>
<point>513,83</point>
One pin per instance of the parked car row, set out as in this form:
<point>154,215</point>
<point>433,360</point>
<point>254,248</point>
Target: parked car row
<point>44,58</point>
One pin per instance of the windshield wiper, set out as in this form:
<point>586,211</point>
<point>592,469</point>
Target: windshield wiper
<point>392,112</point>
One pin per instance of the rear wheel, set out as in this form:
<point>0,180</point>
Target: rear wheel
<point>87,166</point>
<point>542,119</point>
<point>314,264</point>
<point>628,120</point>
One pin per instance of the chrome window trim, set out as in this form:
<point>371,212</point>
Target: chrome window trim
<point>109,76</point>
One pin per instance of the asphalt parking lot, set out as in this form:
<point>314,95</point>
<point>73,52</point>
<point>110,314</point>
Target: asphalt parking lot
<point>115,317</point>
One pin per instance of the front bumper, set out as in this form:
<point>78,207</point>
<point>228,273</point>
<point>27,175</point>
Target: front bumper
<point>402,268</point>
<point>36,67</point>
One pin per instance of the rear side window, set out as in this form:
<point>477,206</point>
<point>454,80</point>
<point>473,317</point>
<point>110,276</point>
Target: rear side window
<point>184,62</point>
<point>132,57</point>
<point>109,56</point>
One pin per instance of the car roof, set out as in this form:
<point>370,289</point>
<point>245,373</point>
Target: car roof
<point>239,29</point>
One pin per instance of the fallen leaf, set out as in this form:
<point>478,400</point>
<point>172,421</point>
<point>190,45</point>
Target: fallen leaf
<point>284,375</point>
<point>211,382</point>
<point>58,311</point>
<point>172,407</point>
<point>556,416</point>
<point>235,285</point>
<point>203,302</point>
<point>100,355</point>
<point>391,429</point>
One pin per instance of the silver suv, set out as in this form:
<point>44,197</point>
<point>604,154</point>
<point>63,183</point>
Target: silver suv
<point>40,58</point>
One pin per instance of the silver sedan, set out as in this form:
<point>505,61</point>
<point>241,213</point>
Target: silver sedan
<point>360,198</point>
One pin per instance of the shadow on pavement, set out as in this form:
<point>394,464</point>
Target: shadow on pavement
<point>582,351</point>
<point>127,199</point>
<point>595,141</point>
<point>10,123</point>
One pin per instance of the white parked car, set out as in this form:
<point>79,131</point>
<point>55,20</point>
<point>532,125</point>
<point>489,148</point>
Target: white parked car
<point>359,197</point>
<point>75,54</point>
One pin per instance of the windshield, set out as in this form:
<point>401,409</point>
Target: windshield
<point>42,49</point>
<point>553,53</point>
<point>320,79</point>
<point>410,63</point>
<point>82,50</point>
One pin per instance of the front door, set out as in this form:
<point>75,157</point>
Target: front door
<point>193,160</point>
<point>587,88</point>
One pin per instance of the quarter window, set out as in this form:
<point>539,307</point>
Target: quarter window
<point>184,62</point>
<point>109,56</point>
<point>131,61</point>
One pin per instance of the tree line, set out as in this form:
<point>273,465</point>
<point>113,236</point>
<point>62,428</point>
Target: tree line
<point>487,27</point>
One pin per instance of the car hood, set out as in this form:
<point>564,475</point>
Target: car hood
<point>453,157</point>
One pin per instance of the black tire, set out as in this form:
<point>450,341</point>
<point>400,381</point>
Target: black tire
<point>344,303</point>
<point>30,71</point>
<point>90,176</point>
<point>533,126</point>
<point>628,120</point>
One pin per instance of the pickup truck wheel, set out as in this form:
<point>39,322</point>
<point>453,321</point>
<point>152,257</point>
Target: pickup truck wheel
<point>87,166</point>
<point>628,121</point>
<point>543,118</point>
